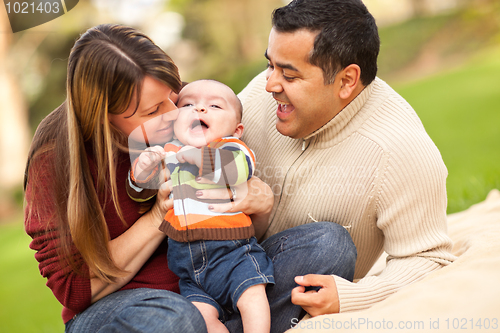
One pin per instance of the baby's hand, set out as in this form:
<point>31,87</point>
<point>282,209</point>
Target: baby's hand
<point>147,161</point>
<point>189,154</point>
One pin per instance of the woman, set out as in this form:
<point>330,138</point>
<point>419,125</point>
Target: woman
<point>91,239</point>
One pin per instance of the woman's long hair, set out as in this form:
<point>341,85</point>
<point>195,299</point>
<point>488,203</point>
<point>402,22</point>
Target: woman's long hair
<point>106,67</point>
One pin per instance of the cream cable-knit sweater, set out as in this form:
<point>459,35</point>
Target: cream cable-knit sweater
<point>374,170</point>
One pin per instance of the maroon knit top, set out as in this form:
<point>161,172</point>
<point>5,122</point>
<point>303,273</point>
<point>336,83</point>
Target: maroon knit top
<point>72,289</point>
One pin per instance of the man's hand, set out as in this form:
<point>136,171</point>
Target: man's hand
<point>190,154</point>
<point>254,198</point>
<point>323,301</point>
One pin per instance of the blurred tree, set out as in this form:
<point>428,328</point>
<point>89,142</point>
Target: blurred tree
<point>45,71</point>
<point>32,83</point>
<point>419,7</point>
<point>432,43</point>
<point>14,133</point>
<point>229,37</point>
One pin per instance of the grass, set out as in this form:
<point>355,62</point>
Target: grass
<point>27,305</point>
<point>460,111</point>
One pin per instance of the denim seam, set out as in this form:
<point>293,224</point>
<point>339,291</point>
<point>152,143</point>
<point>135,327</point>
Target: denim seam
<point>281,241</point>
<point>262,278</point>
<point>220,308</point>
<point>198,272</point>
<point>203,296</point>
<point>257,268</point>
<point>254,260</point>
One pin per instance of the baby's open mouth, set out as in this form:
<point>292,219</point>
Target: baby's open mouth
<point>198,125</point>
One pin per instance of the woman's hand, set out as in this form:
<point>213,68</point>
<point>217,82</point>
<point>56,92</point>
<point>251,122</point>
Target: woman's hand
<point>162,204</point>
<point>254,198</point>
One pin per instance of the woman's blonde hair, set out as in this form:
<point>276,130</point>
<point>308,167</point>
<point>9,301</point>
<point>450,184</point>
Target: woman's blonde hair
<point>106,67</point>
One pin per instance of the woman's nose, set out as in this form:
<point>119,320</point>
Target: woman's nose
<point>170,115</point>
<point>170,111</point>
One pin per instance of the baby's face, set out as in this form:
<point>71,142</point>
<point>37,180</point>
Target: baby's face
<point>207,111</point>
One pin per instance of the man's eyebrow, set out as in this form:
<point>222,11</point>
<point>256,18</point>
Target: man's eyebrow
<point>282,65</point>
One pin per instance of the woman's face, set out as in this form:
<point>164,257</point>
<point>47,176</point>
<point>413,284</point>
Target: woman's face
<point>152,122</point>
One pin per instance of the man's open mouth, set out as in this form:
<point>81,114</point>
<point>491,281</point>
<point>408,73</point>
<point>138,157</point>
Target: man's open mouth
<point>285,107</point>
<point>284,110</point>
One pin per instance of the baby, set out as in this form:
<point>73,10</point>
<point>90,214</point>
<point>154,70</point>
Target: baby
<point>221,266</point>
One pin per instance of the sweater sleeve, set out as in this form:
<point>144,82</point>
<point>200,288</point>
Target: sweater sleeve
<point>70,288</point>
<point>227,161</point>
<point>142,191</point>
<point>411,212</point>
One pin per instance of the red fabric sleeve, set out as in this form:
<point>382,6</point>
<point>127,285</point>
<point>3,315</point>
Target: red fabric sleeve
<point>71,288</point>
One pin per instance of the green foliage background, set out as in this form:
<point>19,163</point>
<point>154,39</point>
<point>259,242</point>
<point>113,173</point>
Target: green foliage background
<point>447,67</point>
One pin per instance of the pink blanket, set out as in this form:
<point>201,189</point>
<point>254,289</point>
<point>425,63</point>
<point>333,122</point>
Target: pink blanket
<point>462,297</point>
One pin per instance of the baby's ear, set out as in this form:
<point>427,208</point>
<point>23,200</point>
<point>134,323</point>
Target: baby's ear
<point>238,132</point>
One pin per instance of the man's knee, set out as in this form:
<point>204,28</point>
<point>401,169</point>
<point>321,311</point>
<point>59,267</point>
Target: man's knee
<point>331,235</point>
<point>337,238</point>
<point>334,244</point>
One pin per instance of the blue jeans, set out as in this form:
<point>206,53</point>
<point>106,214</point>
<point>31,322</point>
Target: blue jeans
<point>314,248</point>
<point>202,266</point>
<point>139,310</point>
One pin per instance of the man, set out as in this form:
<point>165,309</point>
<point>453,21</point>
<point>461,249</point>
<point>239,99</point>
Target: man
<point>335,143</point>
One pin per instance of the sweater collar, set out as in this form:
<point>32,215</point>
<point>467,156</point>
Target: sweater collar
<point>340,122</point>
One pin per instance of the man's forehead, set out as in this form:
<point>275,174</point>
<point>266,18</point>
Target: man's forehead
<point>287,49</point>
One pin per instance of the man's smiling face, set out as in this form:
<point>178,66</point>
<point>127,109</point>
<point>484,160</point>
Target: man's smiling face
<point>305,103</point>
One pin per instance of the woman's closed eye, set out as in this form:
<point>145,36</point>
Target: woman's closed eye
<point>154,111</point>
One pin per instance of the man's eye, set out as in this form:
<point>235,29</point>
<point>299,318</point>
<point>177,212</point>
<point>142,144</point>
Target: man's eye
<point>270,66</point>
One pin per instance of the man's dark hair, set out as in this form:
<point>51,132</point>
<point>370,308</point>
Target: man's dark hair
<point>347,34</point>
